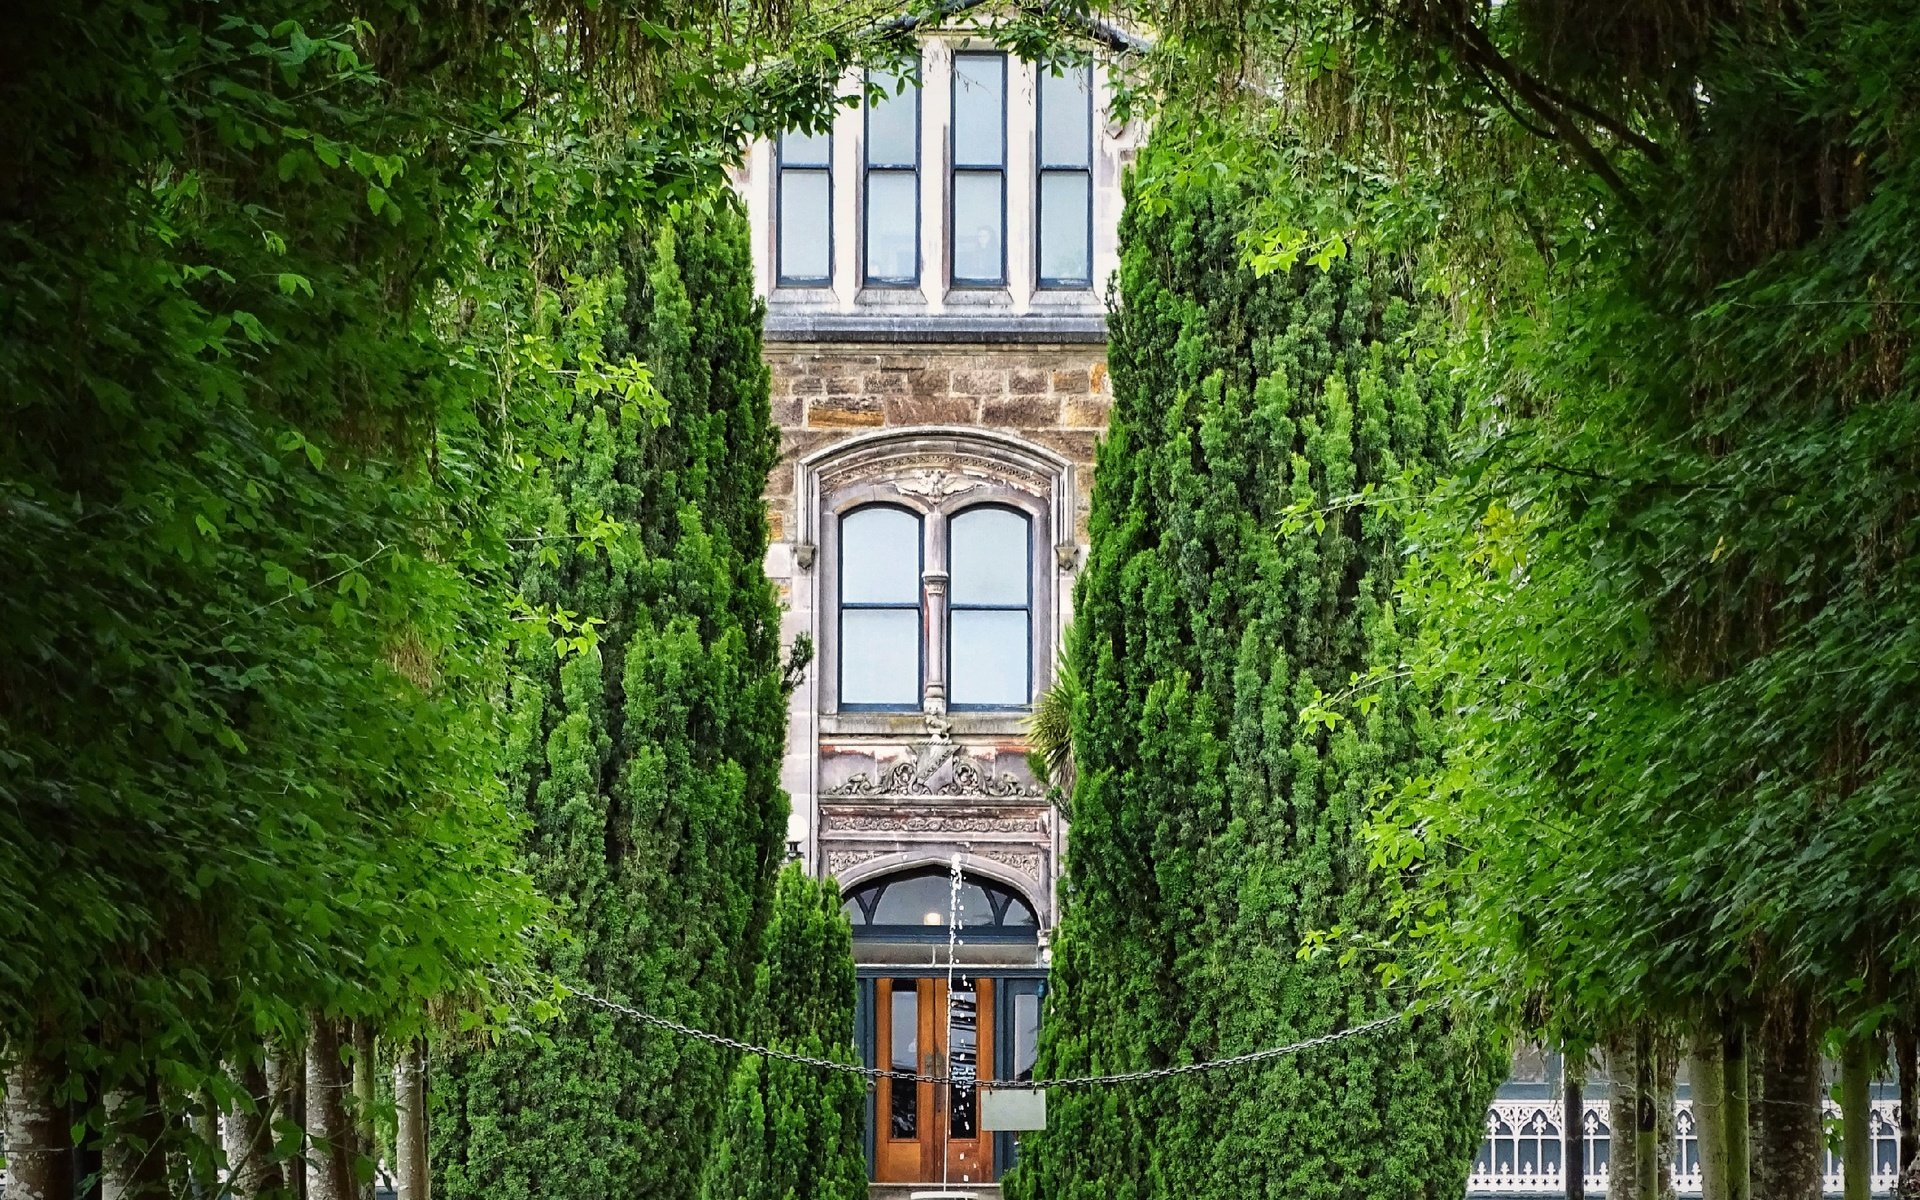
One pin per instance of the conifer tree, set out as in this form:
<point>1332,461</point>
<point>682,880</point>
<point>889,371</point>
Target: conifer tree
<point>649,755</point>
<point>1229,591</point>
<point>793,1132</point>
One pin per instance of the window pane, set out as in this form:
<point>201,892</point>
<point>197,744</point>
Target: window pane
<point>799,149</point>
<point>963,1062</point>
<point>880,557</point>
<point>978,97</point>
<point>1026,1034</point>
<point>989,657</point>
<point>1066,131</point>
<point>915,900</point>
<point>1066,254</point>
<point>880,656</point>
<point>893,227</point>
<point>989,557</point>
<point>803,225</point>
<point>903,1054</point>
<point>893,124</point>
<point>976,226</point>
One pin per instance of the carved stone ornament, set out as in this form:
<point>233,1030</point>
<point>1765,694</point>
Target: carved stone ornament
<point>938,768</point>
<point>1027,862</point>
<point>934,483</point>
<point>897,823</point>
<point>803,555</point>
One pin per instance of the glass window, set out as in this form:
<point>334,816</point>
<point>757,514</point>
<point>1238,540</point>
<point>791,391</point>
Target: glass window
<point>1026,1033</point>
<point>923,899</point>
<point>979,181</point>
<point>880,620</point>
<point>891,205</point>
<point>989,644</point>
<point>1064,249</point>
<point>805,216</point>
<point>903,1054</point>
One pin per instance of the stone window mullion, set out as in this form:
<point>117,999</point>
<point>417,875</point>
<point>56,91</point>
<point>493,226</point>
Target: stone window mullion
<point>934,580</point>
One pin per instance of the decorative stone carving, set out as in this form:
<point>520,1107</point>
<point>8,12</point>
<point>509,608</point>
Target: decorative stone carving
<point>1066,556</point>
<point>1027,862</point>
<point>803,555</point>
<point>934,483</point>
<point>938,768</point>
<point>841,861</point>
<point>843,822</point>
<point>930,464</point>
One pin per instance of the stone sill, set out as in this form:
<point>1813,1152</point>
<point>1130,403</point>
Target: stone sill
<point>985,327</point>
<point>913,725</point>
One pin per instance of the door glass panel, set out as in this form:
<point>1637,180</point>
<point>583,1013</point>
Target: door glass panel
<point>989,557</point>
<point>963,1061</point>
<point>880,656</point>
<point>903,1118</point>
<point>880,557</point>
<point>1026,1033</point>
<point>989,657</point>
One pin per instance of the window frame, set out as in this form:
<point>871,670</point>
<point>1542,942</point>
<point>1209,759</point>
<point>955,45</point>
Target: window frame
<point>1042,170</point>
<point>918,608</point>
<point>780,172</point>
<point>956,168</point>
<point>953,606</point>
<point>868,169</point>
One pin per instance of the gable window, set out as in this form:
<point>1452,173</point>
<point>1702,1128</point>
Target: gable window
<point>1064,144</point>
<point>891,205</point>
<point>979,183</point>
<point>805,231</point>
<point>880,608</point>
<point>990,609</point>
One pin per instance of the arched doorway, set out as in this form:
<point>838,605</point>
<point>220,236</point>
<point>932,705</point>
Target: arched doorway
<point>920,1132</point>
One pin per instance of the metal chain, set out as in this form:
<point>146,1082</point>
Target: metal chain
<point>1022,1085</point>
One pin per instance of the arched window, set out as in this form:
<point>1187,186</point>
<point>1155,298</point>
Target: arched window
<point>880,609</point>
<point>990,610</point>
<point>917,904</point>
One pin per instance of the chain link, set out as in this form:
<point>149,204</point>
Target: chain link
<point>1022,1085</point>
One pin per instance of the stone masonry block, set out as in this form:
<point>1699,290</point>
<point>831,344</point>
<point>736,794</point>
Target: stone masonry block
<point>1072,382</point>
<point>932,410</point>
<point>1020,412</point>
<point>1027,381</point>
<point>1088,412</point>
<point>978,382</point>
<point>845,412</point>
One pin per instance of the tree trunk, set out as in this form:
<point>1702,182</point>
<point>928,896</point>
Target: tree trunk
<point>330,1174</point>
<point>1706,1067</point>
<point>39,1135</point>
<point>247,1134</point>
<point>1857,1064</point>
<point>1666,1066</point>
<point>134,1164</point>
<point>287,1077</point>
<point>365,1142</point>
<point>1623,1119</point>
<point>1906,1060</point>
<point>1646,1115</point>
<point>1789,1138</point>
<point>410,1100</point>
<point>1736,1072</point>
<point>1573,1140</point>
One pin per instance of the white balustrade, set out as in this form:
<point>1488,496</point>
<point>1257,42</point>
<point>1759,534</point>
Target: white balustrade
<point>1521,1154</point>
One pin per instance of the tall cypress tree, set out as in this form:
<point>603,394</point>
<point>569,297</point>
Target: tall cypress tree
<point>793,1132</point>
<point>650,761</point>
<point>1227,591</point>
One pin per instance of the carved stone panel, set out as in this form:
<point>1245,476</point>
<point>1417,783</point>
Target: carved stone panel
<point>934,768</point>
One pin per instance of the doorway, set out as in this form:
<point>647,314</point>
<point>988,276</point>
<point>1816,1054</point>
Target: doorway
<point>925,1131</point>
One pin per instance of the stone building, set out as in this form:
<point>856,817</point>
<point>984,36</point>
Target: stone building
<point>935,270</point>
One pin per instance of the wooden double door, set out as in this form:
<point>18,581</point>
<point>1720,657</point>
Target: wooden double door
<point>923,1131</point>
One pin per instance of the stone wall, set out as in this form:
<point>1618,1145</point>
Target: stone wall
<point>1056,396</point>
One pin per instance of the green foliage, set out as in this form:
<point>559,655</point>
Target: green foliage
<point>1670,594</point>
<point>646,762</point>
<point>791,1132</point>
<point>1233,581</point>
<point>284,335</point>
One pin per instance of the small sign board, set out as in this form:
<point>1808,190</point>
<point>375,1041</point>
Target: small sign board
<point>1012,1109</point>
